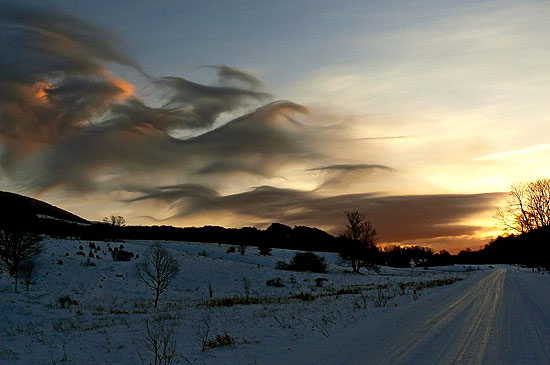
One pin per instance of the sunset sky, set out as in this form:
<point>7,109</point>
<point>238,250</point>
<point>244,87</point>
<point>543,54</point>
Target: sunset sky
<point>418,113</point>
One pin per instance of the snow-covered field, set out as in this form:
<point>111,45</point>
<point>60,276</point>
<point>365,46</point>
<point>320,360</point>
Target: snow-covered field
<point>106,322</point>
<point>500,317</point>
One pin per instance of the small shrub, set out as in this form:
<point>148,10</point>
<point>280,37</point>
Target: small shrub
<point>380,300</point>
<point>242,249</point>
<point>246,288</point>
<point>319,281</point>
<point>206,341</point>
<point>160,340</point>
<point>371,266</point>
<point>364,299</point>
<point>304,261</point>
<point>231,249</point>
<point>238,300</point>
<point>121,255</point>
<point>66,301</point>
<point>264,250</point>
<point>88,262</point>
<point>218,341</point>
<point>80,253</point>
<point>66,254</point>
<point>60,262</point>
<point>277,282</point>
<point>343,291</point>
<point>282,265</point>
<point>306,297</point>
<point>402,288</point>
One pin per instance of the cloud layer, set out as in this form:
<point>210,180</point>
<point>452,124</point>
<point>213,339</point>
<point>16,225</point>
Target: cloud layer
<point>67,121</point>
<point>399,218</point>
<point>70,125</point>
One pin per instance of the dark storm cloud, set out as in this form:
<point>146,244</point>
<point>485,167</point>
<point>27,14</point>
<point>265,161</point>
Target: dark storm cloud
<point>398,218</point>
<point>66,121</point>
<point>260,132</point>
<point>133,145</point>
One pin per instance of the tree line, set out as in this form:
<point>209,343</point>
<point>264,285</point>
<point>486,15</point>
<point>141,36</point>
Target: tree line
<point>526,217</point>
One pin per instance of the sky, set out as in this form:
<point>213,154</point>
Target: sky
<point>420,114</point>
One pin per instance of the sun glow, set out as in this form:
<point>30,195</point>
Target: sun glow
<point>127,89</point>
<point>40,92</point>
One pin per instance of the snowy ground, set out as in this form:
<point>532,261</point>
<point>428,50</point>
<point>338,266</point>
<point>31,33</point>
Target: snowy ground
<point>108,320</point>
<point>502,318</point>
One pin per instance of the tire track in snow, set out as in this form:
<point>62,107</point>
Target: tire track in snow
<point>467,313</point>
<point>477,331</point>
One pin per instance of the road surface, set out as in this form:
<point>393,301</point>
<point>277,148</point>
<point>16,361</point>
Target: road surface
<point>502,317</point>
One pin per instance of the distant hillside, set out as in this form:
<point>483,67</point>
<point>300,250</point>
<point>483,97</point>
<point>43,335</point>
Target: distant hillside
<point>15,208</point>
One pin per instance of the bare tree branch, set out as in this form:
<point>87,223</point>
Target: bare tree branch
<point>157,269</point>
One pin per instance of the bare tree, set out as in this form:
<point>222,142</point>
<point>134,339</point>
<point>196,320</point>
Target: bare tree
<point>527,207</point>
<point>115,220</point>
<point>353,229</point>
<point>27,269</point>
<point>160,339</point>
<point>362,237</point>
<point>16,247</point>
<point>157,270</point>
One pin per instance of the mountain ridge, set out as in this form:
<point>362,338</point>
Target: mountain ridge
<point>20,208</point>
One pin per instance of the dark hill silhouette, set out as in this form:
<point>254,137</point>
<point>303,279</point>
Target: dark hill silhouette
<point>29,214</point>
<point>19,209</point>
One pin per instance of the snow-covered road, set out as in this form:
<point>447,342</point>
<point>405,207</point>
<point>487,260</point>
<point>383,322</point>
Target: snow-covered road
<point>501,317</point>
